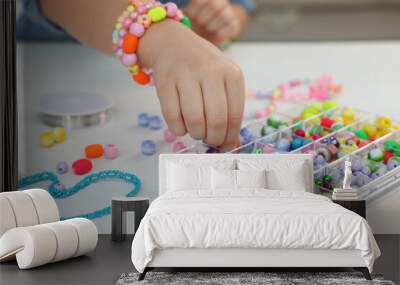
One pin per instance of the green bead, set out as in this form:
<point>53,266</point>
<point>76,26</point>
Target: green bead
<point>157,14</point>
<point>361,134</point>
<point>274,122</point>
<point>264,131</point>
<point>257,151</point>
<point>390,145</point>
<point>337,126</point>
<point>185,21</point>
<point>316,130</point>
<point>372,165</point>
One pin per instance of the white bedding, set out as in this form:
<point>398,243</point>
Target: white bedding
<point>251,218</point>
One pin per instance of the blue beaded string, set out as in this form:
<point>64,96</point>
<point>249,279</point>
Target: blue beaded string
<point>58,191</point>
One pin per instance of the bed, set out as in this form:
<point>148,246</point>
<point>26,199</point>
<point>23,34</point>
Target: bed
<point>247,211</point>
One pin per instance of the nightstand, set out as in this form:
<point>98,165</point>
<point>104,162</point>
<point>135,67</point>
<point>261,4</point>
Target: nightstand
<point>356,206</point>
<point>121,205</point>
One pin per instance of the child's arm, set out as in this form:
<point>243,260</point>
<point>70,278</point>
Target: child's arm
<point>217,20</point>
<point>201,91</point>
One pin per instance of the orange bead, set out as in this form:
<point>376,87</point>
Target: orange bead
<point>141,78</point>
<point>94,151</point>
<point>130,43</point>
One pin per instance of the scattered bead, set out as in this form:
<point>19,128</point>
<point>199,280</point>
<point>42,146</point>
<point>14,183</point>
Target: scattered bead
<point>178,146</point>
<point>155,122</point>
<point>111,151</point>
<point>62,167</point>
<point>94,151</point>
<point>46,139</point>
<point>143,120</point>
<point>169,136</point>
<point>59,135</point>
<point>82,166</point>
<point>148,147</point>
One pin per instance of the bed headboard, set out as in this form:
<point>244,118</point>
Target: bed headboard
<point>210,159</point>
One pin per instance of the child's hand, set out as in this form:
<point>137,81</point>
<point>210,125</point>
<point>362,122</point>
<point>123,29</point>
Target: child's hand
<point>216,20</point>
<point>200,90</point>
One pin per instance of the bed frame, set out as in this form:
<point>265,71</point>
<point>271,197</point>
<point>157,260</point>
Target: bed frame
<point>236,259</point>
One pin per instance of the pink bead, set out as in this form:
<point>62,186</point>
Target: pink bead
<point>129,59</point>
<point>268,149</point>
<point>169,136</point>
<point>122,33</point>
<point>178,146</point>
<point>120,52</point>
<point>134,15</point>
<point>120,42</point>
<point>172,9</point>
<point>179,16</point>
<point>260,114</point>
<point>142,10</point>
<point>115,48</point>
<point>127,23</point>
<point>111,151</point>
<point>137,29</point>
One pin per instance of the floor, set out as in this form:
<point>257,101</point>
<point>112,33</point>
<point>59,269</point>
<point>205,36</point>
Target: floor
<point>110,260</point>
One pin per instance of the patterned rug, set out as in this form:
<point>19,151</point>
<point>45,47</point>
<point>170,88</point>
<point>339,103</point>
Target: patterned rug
<point>244,278</point>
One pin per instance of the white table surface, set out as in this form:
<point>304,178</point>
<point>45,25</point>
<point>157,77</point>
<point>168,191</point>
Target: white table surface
<point>369,72</point>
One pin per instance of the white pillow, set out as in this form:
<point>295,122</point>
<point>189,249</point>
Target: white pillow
<point>284,172</point>
<point>251,179</point>
<point>223,179</point>
<point>181,177</point>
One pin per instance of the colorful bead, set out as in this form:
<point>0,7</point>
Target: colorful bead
<point>300,133</point>
<point>178,146</point>
<point>327,123</point>
<point>169,136</point>
<point>362,135</point>
<point>94,151</point>
<point>144,20</point>
<point>370,130</point>
<point>141,78</point>
<point>62,167</point>
<point>130,43</point>
<point>134,69</point>
<point>376,155</point>
<point>137,29</point>
<point>172,9</point>
<point>148,147</point>
<point>129,59</point>
<point>157,14</point>
<point>283,145</point>
<point>185,21</point>
<point>111,151</point>
<point>384,123</point>
<point>82,166</point>
<point>143,120</point>
<point>155,122</point>
<point>46,139</point>
<point>59,135</point>
<point>387,156</point>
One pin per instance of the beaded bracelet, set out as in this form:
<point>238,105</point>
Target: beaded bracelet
<point>131,26</point>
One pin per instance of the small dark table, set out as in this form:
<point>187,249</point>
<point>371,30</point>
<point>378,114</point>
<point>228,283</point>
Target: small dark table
<point>139,205</point>
<point>356,206</point>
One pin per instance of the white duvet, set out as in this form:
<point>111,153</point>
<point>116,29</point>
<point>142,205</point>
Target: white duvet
<point>253,218</point>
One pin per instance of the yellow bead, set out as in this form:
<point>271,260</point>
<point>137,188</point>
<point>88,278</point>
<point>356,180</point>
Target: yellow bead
<point>130,8</point>
<point>118,26</point>
<point>59,135</point>
<point>370,130</point>
<point>157,14</point>
<point>134,69</point>
<point>46,139</point>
